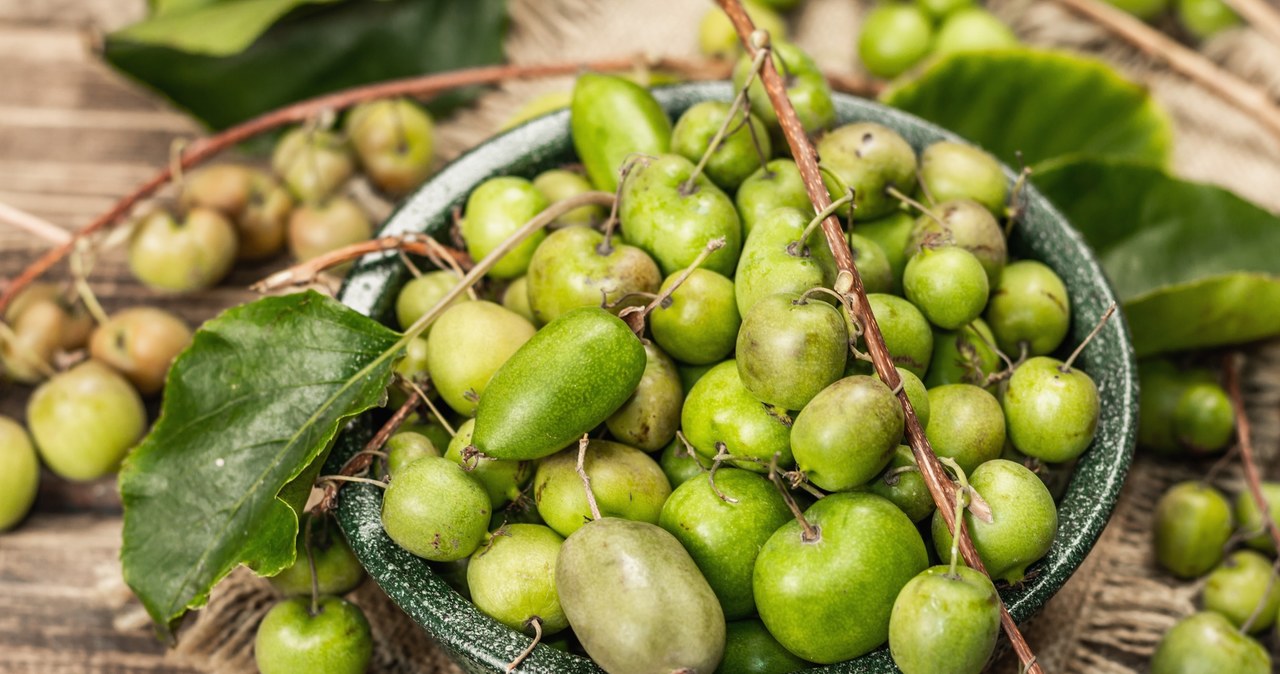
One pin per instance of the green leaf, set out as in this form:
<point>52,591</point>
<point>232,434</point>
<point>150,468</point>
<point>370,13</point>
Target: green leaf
<point>1195,265</point>
<point>318,49</point>
<point>1045,104</point>
<point>217,29</point>
<point>248,407</point>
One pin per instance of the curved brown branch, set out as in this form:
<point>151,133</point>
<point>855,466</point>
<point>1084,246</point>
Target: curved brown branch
<point>306,272</point>
<point>1231,378</point>
<point>849,283</point>
<point>362,459</point>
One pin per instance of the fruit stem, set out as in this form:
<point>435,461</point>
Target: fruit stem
<point>1014,209</point>
<point>311,565</point>
<point>893,475</point>
<point>536,623</point>
<point>962,501</point>
<point>800,247</point>
<point>1245,439</point>
<point>361,461</point>
<point>581,467</point>
<point>352,478</point>
<point>611,223</point>
<point>435,411</point>
<point>306,272</point>
<point>81,265</point>
<point>739,104</point>
<point>1066,366</point>
<point>722,454</point>
<point>849,282</point>
<point>635,317</point>
<point>925,210</point>
<point>811,533</point>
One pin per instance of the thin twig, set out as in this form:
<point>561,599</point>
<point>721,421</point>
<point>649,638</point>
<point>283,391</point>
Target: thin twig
<point>361,461</point>
<point>581,468</point>
<point>1250,99</point>
<point>41,228</point>
<point>1231,377</point>
<point>307,272</point>
<point>536,623</point>
<point>849,282</point>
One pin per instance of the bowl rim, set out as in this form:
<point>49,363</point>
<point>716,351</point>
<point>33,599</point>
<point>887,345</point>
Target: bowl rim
<point>479,643</point>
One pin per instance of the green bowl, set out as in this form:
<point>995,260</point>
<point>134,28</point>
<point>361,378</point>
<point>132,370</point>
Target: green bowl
<point>480,644</point>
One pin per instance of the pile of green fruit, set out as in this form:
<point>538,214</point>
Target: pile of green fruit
<point>897,36</point>
<point>661,443</point>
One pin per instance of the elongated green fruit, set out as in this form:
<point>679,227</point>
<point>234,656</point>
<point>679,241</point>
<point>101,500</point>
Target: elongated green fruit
<point>563,382</point>
<point>611,118</point>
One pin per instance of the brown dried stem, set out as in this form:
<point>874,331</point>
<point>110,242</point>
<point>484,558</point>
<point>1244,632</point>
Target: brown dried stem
<point>1250,99</point>
<point>849,282</point>
<point>306,272</point>
<point>364,458</point>
<point>1252,477</point>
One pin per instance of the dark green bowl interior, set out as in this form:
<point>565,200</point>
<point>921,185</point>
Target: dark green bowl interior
<point>480,644</point>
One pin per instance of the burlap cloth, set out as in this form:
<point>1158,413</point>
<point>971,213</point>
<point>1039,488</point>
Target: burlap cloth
<point>1111,614</point>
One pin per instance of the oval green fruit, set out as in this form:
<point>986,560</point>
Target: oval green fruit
<point>894,37</point>
<point>964,356</point>
<point>626,483</point>
<point>336,640</point>
<point>575,268</point>
<point>807,88</point>
<point>563,382</point>
<point>1204,18</point>
<point>495,210</point>
<point>1192,526</point>
<point>1250,521</point>
<point>870,158</point>
<point>773,262</point>
<point>394,139</point>
<point>674,223</point>
<point>906,487</point>
<point>750,649</point>
<point>19,473</point>
<point>422,294</point>
<point>1029,306</point>
<point>973,29</point>
<point>637,601</point>
<point>944,622</point>
<point>790,348</point>
<point>947,284</point>
<point>845,581</point>
<point>1243,586</point>
<point>893,234</point>
<point>468,344</point>
<point>516,298</point>
<point>181,256</point>
<point>405,447</point>
<point>906,332</point>
<point>681,464</point>
<point>560,184</point>
<point>775,185</point>
<point>502,479</point>
<point>967,224</point>
<point>1206,642</point>
<point>649,419</point>
<point>847,433</point>
<point>719,410</point>
<point>85,420</point>
<point>724,536</point>
<point>337,570</point>
<point>435,510</point>
<point>612,118</point>
<point>699,323</point>
<point>1204,420</point>
<point>740,152</point>
<point>1050,413</point>
<point>512,577</point>
<point>872,263</point>
<point>313,163</point>
<point>953,170</point>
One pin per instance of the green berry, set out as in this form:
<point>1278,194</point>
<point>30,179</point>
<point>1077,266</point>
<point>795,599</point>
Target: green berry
<point>973,29</point>
<point>495,210</point>
<point>948,285</point>
<point>393,138</point>
<point>969,225</point>
<point>950,170</point>
<point>435,510</point>
<point>1207,643</point>
<point>1250,522</point>
<point>19,473</point>
<point>335,640</point>
<point>1051,412</point>
<point>791,348</point>
<point>1192,524</point>
<point>85,420</point>
<point>906,332</point>
<point>894,37</point>
<point>512,577</point>
<point>869,159</point>
<point>1204,420</point>
<point>945,622</point>
<point>844,436</point>
<point>312,163</point>
<point>872,263</point>
<point>181,256</point>
<point>1204,18</point>
<point>422,294</point>
<point>699,325</point>
<point>966,424</point>
<point>1029,309</point>
<point>337,569</point>
<point>1241,586</point>
<point>737,155</point>
<point>560,184</point>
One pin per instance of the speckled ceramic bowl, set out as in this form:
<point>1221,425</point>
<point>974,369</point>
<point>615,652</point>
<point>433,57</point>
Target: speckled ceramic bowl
<point>480,644</point>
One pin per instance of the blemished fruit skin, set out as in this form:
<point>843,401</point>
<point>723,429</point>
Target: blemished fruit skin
<point>951,170</point>
<point>435,510</point>
<point>966,424</point>
<point>1192,525</point>
<point>736,157</point>
<point>337,569</point>
<point>944,623</point>
<point>806,87</point>
<point>724,537</point>
<point>1050,414</point>
<point>560,184</point>
<point>720,410</point>
<point>312,163</point>
<point>869,158</point>
<point>290,640</point>
<point>699,324</point>
<point>637,601</point>
<point>906,332</point>
<point>574,268</point>
<point>846,435</point>
<point>967,224</point>
<point>495,210</point>
<point>85,420</point>
<point>894,37</point>
<point>626,482</point>
<point>750,649</point>
<point>790,348</point>
<point>948,285</point>
<point>501,479</point>
<point>1207,643</point>
<point>140,343</point>
<point>1241,585</point>
<point>421,294</point>
<point>1024,520</point>
<point>468,344</point>
<point>650,418</point>
<point>1029,306</point>
<point>674,225</point>
<point>1249,520</point>
<point>19,473</point>
<point>512,577</point>
<point>612,118</point>
<point>393,140</point>
<point>845,581</point>
<point>174,256</point>
<point>770,264</point>
<point>563,382</point>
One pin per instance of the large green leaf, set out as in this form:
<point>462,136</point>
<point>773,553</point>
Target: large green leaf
<point>1194,264</point>
<point>1045,104</point>
<point>216,29</point>
<point>248,407</point>
<point>317,49</point>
